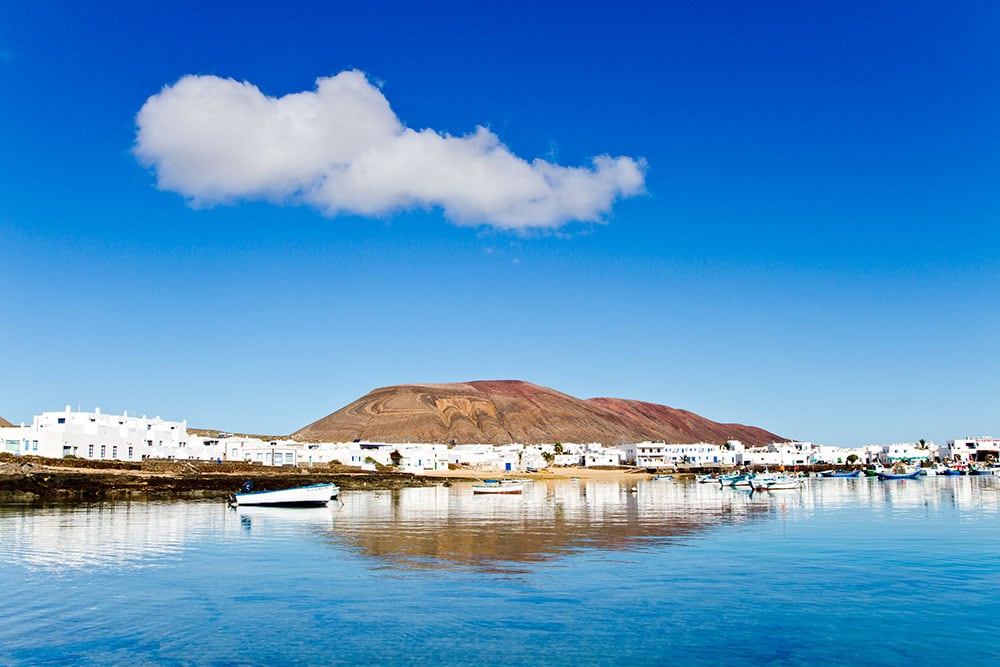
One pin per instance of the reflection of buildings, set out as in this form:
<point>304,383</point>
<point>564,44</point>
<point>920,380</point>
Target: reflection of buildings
<point>104,535</point>
<point>439,526</point>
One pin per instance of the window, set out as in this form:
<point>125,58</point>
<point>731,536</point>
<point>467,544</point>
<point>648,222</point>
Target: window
<point>61,420</point>
<point>129,453</point>
<point>103,450</point>
<point>90,451</point>
<point>34,445</point>
<point>114,451</point>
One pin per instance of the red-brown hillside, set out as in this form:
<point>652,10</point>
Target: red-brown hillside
<point>4,422</point>
<point>505,411</point>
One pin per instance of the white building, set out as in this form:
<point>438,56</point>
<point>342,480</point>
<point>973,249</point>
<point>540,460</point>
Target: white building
<point>906,451</point>
<point>662,455</point>
<point>971,449</point>
<point>487,457</point>
<point>603,457</point>
<point>94,435</point>
<point>836,455</point>
<point>779,454</point>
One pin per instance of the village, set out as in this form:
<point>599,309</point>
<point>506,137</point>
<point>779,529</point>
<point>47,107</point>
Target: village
<point>108,437</point>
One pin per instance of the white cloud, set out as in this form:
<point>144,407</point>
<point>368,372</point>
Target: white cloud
<point>342,149</point>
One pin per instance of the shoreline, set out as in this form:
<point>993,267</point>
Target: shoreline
<point>29,479</point>
<point>34,480</point>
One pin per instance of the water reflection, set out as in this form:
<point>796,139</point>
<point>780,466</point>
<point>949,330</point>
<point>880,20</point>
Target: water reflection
<point>139,534</point>
<point>439,526</point>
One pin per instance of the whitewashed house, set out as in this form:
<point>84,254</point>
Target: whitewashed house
<point>971,449</point>
<point>98,436</point>
<point>487,457</point>
<point>779,454</point>
<point>420,457</point>
<point>663,455</point>
<point>905,452</point>
<point>603,457</point>
<point>834,455</point>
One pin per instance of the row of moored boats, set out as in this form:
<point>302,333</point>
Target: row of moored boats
<point>780,481</point>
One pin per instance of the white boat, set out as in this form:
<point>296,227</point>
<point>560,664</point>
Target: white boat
<point>735,480</point>
<point>503,486</point>
<point>300,496</point>
<point>775,483</point>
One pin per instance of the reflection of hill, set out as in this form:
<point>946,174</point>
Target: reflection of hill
<point>429,526</point>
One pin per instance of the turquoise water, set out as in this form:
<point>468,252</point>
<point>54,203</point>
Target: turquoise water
<point>844,572</point>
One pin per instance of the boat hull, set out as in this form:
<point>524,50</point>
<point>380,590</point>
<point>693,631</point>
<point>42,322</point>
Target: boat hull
<point>893,475</point>
<point>776,485</point>
<point>502,489</point>
<point>313,495</point>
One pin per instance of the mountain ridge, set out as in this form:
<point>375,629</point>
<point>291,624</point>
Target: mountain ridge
<point>505,411</point>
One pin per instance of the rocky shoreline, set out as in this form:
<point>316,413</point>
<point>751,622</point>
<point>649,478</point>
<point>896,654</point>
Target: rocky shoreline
<point>34,480</point>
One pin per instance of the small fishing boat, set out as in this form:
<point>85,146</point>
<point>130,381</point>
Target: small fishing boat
<point>501,486</point>
<point>776,483</point>
<point>840,473</point>
<point>664,478</point>
<point>899,475</point>
<point>707,479</point>
<point>300,496</point>
<point>952,472</point>
<point>980,471</point>
<point>735,480</point>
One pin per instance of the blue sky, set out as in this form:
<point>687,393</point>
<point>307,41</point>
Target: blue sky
<point>814,247</point>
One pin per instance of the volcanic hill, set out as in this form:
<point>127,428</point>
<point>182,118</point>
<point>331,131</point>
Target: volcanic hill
<point>505,411</point>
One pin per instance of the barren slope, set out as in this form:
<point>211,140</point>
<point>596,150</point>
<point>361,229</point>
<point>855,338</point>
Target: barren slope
<point>501,412</point>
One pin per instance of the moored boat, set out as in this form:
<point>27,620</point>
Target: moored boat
<point>776,483</point>
<point>735,480</point>
<point>503,486</point>
<point>665,478</point>
<point>840,473</point>
<point>899,475</point>
<point>300,496</point>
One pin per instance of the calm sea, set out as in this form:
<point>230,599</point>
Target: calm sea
<point>843,572</point>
